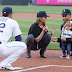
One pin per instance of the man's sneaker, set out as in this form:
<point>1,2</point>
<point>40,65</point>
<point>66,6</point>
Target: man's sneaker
<point>8,68</point>
<point>67,57</point>
<point>63,56</point>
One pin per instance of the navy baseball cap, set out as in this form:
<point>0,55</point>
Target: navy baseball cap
<point>42,14</point>
<point>7,10</point>
<point>66,12</point>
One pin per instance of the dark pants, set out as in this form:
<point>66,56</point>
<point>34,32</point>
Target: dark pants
<point>64,46</point>
<point>42,44</point>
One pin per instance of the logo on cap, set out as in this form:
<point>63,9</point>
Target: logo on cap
<point>66,12</point>
<point>7,10</point>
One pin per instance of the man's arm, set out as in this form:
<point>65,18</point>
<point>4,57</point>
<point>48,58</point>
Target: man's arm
<point>59,40</point>
<point>69,40</point>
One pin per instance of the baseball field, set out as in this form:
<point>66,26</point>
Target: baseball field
<point>25,16</point>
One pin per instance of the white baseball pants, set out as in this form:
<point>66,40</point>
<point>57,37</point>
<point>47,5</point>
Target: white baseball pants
<point>13,50</point>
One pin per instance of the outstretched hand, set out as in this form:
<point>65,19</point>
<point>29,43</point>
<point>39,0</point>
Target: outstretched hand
<point>54,39</point>
<point>52,31</point>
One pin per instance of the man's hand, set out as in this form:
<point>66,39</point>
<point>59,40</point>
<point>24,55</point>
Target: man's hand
<point>54,39</point>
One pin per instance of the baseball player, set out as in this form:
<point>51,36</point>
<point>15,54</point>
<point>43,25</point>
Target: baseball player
<point>14,49</point>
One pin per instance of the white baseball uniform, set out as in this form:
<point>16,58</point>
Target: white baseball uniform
<point>14,49</point>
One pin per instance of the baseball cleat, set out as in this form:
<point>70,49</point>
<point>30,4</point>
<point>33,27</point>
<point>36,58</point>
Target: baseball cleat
<point>8,68</point>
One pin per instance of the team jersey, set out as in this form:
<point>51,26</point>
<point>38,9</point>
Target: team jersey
<point>8,27</point>
<point>66,33</point>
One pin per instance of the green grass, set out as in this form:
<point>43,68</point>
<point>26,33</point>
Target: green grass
<point>26,23</point>
<point>35,9</point>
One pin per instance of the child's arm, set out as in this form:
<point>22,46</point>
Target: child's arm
<point>67,24</point>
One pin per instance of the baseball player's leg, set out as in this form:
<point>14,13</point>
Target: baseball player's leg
<point>13,50</point>
<point>44,43</point>
<point>29,42</point>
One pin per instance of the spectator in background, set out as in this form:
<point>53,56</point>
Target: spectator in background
<point>30,3</point>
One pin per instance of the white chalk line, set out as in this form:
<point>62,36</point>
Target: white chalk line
<point>40,67</point>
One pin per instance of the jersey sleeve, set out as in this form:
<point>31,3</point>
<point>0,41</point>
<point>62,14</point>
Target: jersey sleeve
<point>16,30</point>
